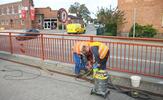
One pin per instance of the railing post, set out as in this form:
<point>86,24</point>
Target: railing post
<point>91,38</point>
<point>42,47</point>
<point>11,45</point>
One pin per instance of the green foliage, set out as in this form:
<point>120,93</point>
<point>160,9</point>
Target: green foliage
<point>143,31</point>
<point>111,18</point>
<point>111,28</point>
<point>80,10</point>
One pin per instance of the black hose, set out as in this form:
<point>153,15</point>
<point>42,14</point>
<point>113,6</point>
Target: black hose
<point>140,95</point>
<point>19,73</point>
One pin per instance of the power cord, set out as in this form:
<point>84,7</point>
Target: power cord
<point>7,68</point>
<point>19,75</point>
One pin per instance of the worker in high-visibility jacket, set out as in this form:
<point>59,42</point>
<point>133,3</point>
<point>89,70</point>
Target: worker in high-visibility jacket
<point>80,59</point>
<point>100,54</point>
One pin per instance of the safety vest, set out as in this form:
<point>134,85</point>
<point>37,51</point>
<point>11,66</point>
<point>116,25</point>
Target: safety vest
<point>78,47</point>
<point>103,49</point>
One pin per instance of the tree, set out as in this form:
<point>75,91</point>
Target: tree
<point>80,10</point>
<point>143,31</point>
<point>111,18</point>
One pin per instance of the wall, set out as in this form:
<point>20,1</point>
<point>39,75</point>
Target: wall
<point>147,12</point>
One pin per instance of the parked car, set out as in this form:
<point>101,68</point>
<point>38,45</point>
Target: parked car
<point>75,28</point>
<point>27,36</point>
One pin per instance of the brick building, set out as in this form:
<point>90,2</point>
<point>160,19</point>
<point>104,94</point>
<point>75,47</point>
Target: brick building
<point>146,12</point>
<point>46,18</point>
<point>11,17</point>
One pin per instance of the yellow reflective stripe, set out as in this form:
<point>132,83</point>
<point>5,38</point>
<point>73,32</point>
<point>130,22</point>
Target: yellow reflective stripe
<point>101,48</point>
<point>103,54</point>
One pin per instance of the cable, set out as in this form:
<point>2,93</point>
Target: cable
<point>84,75</point>
<point>7,68</point>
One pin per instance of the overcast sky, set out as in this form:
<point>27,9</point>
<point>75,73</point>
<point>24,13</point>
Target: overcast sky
<point>56,4</point>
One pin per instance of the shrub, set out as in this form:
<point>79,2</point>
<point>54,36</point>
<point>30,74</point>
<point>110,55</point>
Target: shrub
<point>112,29</point>
<point>143,31</point>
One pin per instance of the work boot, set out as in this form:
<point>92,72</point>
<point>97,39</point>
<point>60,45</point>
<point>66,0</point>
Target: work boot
<point>78,76</point>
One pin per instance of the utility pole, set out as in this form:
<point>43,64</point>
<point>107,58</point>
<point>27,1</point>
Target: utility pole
<point>134,22</point>
<point>134,18</point>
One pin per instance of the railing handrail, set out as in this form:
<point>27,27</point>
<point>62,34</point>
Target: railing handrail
<point>94,36</point>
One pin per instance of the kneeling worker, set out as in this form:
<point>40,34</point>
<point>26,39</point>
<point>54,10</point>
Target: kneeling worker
<point>80,59</point>
<point>100,54</point>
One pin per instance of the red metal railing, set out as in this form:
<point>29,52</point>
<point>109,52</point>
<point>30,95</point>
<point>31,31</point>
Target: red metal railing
<point>138,56</point>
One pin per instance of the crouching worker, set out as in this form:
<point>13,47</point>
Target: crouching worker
<point>100,55</point>
<point>79,58</point>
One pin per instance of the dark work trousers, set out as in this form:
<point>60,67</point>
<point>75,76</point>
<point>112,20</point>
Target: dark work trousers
<point>104,61</point>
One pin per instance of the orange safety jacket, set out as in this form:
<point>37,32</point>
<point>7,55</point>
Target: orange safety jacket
<point>102,48</point>
<point>77,48</point>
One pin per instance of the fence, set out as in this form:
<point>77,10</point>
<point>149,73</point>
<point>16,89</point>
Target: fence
<point>138,56</point>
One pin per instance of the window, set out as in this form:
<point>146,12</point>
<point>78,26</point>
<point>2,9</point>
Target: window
<point>16,9</point>
<point>2,22</point>
<point>8,11</point>
<point>19,8</point>
<point>13,12</point>
<point>22,22</point>
<point>2,11</point>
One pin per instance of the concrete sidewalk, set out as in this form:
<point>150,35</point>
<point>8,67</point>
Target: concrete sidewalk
<point>35,84</point>
<point>121,78</point>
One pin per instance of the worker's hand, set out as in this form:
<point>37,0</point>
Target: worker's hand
<point>89,66</point>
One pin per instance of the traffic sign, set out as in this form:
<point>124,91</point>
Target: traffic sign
<point>62,15</point>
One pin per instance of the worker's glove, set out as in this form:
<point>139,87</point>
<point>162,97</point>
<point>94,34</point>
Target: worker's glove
<point>96,65</point>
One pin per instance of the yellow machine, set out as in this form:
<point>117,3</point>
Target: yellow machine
<point>101,83</point>
<point>75,28</point>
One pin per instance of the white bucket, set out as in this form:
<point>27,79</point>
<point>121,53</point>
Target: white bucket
<point>135,81</point>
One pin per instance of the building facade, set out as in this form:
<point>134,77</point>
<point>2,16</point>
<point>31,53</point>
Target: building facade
<point>46,18</point>
<point>11,16</point>
<point>144,11</point>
